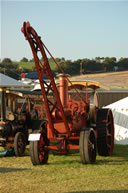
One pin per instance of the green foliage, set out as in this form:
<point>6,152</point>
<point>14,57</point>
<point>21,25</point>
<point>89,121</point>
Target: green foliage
<point>109,63</point>
<point>99,64</point>
<point>24,59</point>
<point>6,61</point>
<point>32,60</point>
<point>26,66</point>
<point>123,63</point>
<point>10,68</point>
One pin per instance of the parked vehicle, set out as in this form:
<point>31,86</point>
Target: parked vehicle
<point>72,124</point>
<point>17,117</point>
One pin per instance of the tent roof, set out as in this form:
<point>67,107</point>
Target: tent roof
<point>83,84</point>
<point>23,93</point>
<point>120,115</point>
<point>6,81</point>
<point>119,105</point>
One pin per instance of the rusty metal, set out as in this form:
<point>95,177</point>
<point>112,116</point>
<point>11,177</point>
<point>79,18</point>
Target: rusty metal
<point>63,89</point>
<point>69,120</point>
<point>44,68</point>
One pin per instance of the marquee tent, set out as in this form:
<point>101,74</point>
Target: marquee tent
<point>120,114</point>
<point>8,82</point>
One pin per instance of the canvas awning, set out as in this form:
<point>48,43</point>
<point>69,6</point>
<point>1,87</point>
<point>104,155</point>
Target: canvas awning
<point>120,114</point>
<point>83,84</point>
<point>8,82</point>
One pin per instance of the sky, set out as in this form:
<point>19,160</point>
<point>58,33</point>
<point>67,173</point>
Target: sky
<point>70,29</point>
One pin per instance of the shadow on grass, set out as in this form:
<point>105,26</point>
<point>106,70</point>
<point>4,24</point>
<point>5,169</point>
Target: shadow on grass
<point>98,162</point>
<point>66,162</point>
<point>102,161</point>
<point>102,191</point>
<point>110,162</point>
<point>7,170</point>
<point>119,157</point>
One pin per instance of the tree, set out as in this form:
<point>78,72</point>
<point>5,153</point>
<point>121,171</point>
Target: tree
<point>123,63</point>
<point>99,59</point>
<point>24,59</point>
<point>31,60</point>
<point>6,61</point>
<point>33,68</point>
<point>109,63</point>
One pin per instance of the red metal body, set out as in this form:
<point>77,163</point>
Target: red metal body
<point>66,116</point>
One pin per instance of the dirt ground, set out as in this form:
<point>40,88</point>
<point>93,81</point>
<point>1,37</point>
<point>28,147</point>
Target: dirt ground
<point>115,80</point>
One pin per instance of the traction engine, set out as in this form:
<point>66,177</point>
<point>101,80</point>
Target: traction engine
<point>72,124</point>
<point>16,119</point>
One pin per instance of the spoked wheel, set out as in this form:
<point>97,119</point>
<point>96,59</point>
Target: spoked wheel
<point>87,146</point>
<point>105,132</point>
<point>19,144</point>
<point>38,151</point>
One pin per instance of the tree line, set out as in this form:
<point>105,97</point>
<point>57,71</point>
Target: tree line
<point>80,66</point>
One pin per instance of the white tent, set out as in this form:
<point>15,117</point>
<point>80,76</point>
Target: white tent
<point>8,82</point>
<point>120,114</point>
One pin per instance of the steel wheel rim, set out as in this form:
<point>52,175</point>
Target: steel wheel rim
<point>110,132</point>
<point>42,151</point>
<point>20,144</point>
<point>92,147</point>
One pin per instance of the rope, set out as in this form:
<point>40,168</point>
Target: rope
<point>62,71</point>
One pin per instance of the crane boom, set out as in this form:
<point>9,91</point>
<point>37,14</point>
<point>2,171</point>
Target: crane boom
<point>43,67</point>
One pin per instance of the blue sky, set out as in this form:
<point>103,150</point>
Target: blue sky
<point>70,29</point>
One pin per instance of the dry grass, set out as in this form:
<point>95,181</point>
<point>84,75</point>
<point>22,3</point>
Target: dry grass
<point>120,73</point>
<point>66,174</point>
<point>113,80</point>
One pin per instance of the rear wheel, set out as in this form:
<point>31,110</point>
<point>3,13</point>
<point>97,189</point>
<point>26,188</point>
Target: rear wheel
<point>19,144</point>
<point>93,106</point>
<point>87,146</point>
<point>105,132</point>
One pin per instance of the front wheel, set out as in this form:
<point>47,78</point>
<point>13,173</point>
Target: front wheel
<point>87,146</point>
<point>38,150</point>
<point>39,155</point>
<point>19,144</point>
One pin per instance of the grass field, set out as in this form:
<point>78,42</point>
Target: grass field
<point>26,65</point>
<point>120,73</point>
<point>111,80</point>
<point>66,174</point>
<point>30,65</point>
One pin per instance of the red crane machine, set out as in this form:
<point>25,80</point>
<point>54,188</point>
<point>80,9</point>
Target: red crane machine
<point>72,124</point>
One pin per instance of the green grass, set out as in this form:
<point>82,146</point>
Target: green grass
<point>66,174</point>
<point>26,65</point>
<point>30,65</point>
